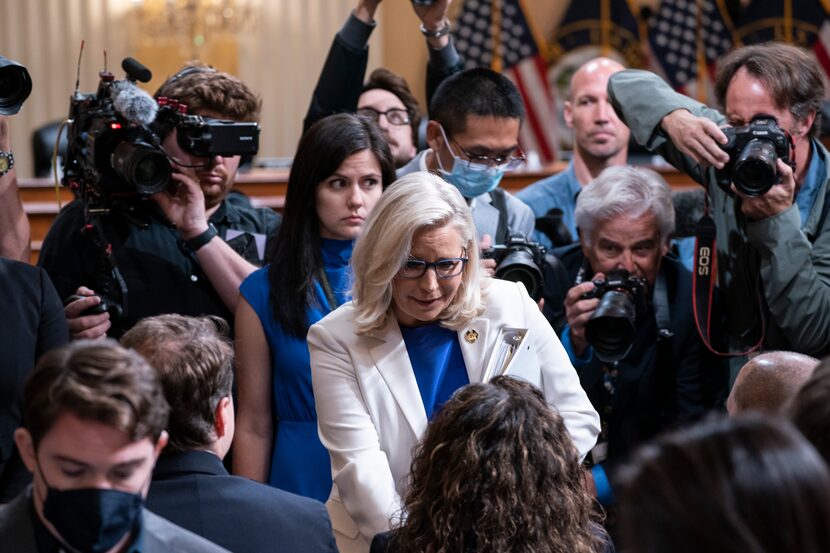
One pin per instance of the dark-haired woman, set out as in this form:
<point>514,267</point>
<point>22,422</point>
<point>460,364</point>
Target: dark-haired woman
<point>496,472</point>
<point>340,168</point>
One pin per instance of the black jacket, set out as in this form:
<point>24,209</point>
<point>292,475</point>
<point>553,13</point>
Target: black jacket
<point>193,490</point>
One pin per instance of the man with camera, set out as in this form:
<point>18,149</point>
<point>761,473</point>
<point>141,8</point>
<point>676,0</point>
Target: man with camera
<point>186,251</point>
<point>630,333</point>
<point>768,200</point>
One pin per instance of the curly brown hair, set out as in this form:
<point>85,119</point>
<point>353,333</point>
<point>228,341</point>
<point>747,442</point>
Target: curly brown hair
<point>202,88</point>
<point>495,472</point>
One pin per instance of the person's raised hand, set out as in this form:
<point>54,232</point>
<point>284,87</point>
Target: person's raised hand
<point>775,200</point>
<point>697,137</point>
<point>184,205</point>
<point>365,10</point>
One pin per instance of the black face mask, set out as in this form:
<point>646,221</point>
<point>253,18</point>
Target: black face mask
<point>91,520</point>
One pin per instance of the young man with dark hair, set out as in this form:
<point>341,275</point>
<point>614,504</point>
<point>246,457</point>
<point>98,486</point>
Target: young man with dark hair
<point>189,249</point>
<point>385,97</point>
<point>94,426</point>
<point>194,361</point>
<point>473,138</point>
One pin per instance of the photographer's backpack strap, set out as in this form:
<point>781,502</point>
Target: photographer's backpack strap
<point>497,196</point>
<point>660,304</point>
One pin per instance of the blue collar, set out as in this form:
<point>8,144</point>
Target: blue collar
<point>806,196</point>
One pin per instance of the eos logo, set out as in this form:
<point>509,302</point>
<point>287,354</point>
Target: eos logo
<point>704,255</point>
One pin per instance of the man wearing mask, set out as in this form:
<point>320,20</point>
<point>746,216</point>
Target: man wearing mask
<point>95,418</point>
<point>473,138</point>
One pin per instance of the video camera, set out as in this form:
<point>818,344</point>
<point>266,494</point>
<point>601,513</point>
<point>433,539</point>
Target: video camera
<point>520,260</point>
<point>753,151</point>
<point>115,153</point>
<point>611,328</point>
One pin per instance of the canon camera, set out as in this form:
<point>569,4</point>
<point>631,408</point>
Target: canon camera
<point>610,330</point>
<point>753,151</point>
<point>519,260</point>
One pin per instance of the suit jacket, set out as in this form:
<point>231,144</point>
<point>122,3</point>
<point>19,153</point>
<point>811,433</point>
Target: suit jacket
<point>193,489</point>
<point>17,533</point>
<point>370,412</point>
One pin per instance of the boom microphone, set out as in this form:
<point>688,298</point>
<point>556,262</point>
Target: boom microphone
<point>136,70</point>
<point>132,103</point>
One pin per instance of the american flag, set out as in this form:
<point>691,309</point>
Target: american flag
<point>515,51</point>
<point>673,33</point>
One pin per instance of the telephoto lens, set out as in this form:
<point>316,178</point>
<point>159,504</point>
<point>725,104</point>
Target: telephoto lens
<point>15,86</point>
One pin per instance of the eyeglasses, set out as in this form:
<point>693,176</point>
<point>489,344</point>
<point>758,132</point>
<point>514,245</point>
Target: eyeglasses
<point>506,163</point>
<point>395,116</point>
<point>444,268</point>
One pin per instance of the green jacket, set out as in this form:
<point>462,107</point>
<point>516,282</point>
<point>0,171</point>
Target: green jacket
<point>771,266</point>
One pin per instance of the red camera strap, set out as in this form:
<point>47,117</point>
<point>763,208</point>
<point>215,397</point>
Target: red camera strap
<point>704,281</point>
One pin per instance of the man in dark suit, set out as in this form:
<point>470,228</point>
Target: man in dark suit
<point>194,360</point>
<point>94,426</point>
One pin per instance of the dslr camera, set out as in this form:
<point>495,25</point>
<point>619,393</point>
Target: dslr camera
<point>610,330</point>
<point>753,151</point>
<point>115,154</point>
<point>519,260</point>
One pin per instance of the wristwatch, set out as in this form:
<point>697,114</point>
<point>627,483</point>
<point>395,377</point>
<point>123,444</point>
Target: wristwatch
<point>438,33</point>
<point>201,239</point>
<point>6,162</point>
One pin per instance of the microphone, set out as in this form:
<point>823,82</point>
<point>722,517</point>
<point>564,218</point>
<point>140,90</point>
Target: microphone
<point>136,71</point>
<point>688,209</point>
<point>133,104</point>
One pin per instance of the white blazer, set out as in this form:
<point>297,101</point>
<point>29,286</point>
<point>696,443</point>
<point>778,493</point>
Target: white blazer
<point>370,413</point>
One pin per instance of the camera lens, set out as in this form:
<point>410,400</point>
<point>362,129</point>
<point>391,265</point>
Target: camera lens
<point>610,330</point>
<point>755,171</point>
<point>15,86</point>
<point>518,266</point>
<point>145,168</point>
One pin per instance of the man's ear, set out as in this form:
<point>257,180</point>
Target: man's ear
<point>224,409</point>
<point>26,448</point>
<point>164,437</point>
<point>803,126</point>
<point>435,138</point>
<point>567,114</point>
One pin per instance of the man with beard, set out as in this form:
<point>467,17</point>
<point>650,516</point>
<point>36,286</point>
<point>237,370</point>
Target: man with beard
<point>186,251</point>
<point>600,141</point>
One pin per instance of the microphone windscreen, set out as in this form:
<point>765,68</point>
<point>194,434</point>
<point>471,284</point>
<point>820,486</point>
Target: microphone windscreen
<point>132,103</point>
<point>136,70</point>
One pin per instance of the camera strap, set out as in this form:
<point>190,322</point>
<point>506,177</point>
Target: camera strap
<point>660,304</point>
<point>499,201</point>
<point>703,283</point>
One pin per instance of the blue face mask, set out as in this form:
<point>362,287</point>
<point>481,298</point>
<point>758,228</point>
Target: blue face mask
<point>471,179</point>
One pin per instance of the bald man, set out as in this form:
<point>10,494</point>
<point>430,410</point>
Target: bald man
<point>769,381</point>
<point>600,141</point>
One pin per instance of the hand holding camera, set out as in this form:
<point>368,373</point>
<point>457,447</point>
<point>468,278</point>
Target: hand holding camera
<point>87,314</point>
<point>578,309</point>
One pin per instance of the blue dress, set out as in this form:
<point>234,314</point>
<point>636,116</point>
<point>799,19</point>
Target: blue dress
<point>299,462</point>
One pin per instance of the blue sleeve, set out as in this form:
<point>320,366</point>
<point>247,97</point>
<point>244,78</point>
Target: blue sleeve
<point>255,289</point>
<point>577,362</point>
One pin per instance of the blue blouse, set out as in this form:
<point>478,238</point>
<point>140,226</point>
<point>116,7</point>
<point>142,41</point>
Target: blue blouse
<point>438,364</point>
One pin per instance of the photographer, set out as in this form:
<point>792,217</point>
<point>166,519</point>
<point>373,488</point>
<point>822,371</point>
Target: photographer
<point>188,251</point>
<point>773,248</point>
<point>643,372</point>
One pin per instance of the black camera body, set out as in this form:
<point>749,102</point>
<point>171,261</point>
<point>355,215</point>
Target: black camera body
<point>753,151</point>
<point>206,137</point>
<point>520,260</point>
<point>611,328</point>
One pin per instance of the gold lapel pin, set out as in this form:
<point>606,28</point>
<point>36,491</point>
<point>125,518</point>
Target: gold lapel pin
<point>471,336</point>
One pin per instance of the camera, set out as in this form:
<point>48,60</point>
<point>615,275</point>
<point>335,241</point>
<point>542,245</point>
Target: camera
<point>115,153</point>
<point>753,151</point>
<point>610,330</point>
<point>15,86</point>
<point>519,260</point>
